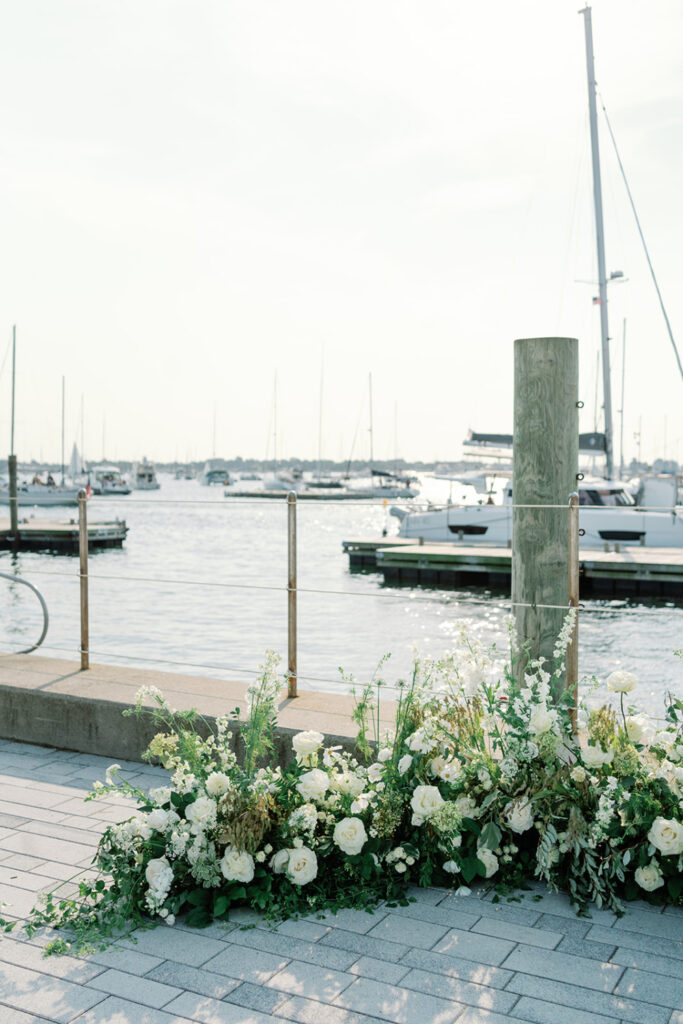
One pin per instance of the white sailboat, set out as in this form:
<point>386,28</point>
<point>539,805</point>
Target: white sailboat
<point>608,512</point>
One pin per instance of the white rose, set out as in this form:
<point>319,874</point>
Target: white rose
<point>385,754</point>
<point>302,866</point>
<point>437,764</point>
<point>314,784</point>
<point>488,859</point>
<point>375,772</point>
<point>139,826</point>
<point>160,820</point>
<point>404,764</point>
<point>621,681</point>
<point>278,862</point>
<point>650,877</point>
<point>664,739</point>
<point>350,835</point>
<point>451,771</point>
<point>201,814</point>
<point>236,866</point>
<point>160,795</point>
<point>347,782</point>
<point>306,744</point>
<point>217,784</point>
<point>361,803</point>
<point>451,867</point>
<point>400,867</point>
<point>638,729</point>
<point>467,806</point>
<point>418,742</point>
<point>159,875</point>
<point>579,774</point>
<point>596,756</point>
<point>519,815</point>
<point>542,720</point>
<point>667,836</point>
<point>424,802</point>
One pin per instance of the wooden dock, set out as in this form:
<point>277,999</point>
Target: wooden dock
<point>630,572</point>
<point>45,535</point>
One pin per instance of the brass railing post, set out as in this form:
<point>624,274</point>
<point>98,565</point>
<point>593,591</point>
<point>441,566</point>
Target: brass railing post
<point>83,552</point>
<point>573,649</point>
<point>291,595</point>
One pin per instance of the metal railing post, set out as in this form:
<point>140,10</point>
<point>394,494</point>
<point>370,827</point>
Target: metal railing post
<point>83,552</point>
<point>573,649</point>
<point>291,594</point>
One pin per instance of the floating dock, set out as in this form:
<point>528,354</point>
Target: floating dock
<point>45,535</point>
<point>322,495</point>
<point>630,572</point>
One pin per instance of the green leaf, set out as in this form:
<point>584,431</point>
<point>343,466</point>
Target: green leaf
<point>471,866</point>
<point>469,825</point>
<point>675,886</point>
<point>220,906</point>
<point>199,898</point>
<point>198,917</point>
<point>490,836</point>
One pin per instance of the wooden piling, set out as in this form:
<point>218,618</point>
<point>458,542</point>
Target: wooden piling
<point>83,552</point>
<point>545,467</point>
<point>291,596</point>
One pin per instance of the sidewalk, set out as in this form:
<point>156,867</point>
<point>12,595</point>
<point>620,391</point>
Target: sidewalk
<point>439,960</point>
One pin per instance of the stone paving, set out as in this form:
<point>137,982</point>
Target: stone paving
<point>443,958</point>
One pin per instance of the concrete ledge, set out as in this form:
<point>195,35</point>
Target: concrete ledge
<point>51,702</point>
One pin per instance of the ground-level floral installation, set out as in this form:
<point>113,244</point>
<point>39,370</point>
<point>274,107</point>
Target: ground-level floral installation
<point>481,778</point>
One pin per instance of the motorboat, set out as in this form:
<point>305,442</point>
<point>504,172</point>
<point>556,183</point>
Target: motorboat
<point>607,514</point>
<point>215,472</point>
<point>40,493</point>
<point>145,477</point>
<point>107,480</point>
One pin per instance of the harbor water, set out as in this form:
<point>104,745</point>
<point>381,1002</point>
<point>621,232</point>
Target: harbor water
<point>200,587</point>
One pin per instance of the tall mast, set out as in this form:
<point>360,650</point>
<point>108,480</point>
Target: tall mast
<point>14,364</point>
<point>600,239</point>
<point>370,392</point>
<point>62,431</point>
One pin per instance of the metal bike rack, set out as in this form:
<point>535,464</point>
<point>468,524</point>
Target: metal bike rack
<point>46,617</point>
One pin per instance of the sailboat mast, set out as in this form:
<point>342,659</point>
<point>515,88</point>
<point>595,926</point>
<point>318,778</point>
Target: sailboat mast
<point>14,363</point>
<point>62,431</point>
<point>372,458</point>
<point>600,239</point>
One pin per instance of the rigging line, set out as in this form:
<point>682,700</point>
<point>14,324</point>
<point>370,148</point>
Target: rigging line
<point>4,360</point>
<point>642,238</point>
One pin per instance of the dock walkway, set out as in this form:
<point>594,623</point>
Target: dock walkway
<point>441,959</point>
<point>630,571</point>
<point>46,535</point>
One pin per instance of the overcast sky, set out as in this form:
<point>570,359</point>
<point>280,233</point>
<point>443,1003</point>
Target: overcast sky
<point>196,196</point>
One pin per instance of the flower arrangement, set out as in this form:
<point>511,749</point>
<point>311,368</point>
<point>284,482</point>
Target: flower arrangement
<point>481,778</point>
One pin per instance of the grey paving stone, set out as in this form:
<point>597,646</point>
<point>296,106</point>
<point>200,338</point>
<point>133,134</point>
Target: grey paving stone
<point>256,997</point>
<point>12,820</point>
<point>449,915</point>
<point>431,895</point>
<point>634,940</point>
<point>557,903</point>
<point>447,987</point>
<point>512,912</point>
<point>550,1013</point>
<point>186,947</point>
<point>585,947</point>
<point>676,1017</point>
<point>214,1011</point>
<point>55,849</point>
<point>193,979</point>
<point>350,920</point>
<point>473,946</point>
<point>364,945</point>
<point>652,988</point>
<point>246,964</point>
<point>578,970</point>
<point>140,990</point>
<point>18,902</point>
<point>10,1016</point>
<point>310,981</point>
<point>645,923</point>
<point>115,1010</point>
<point>62,831</point>
<point>517,932</point>
<point>475,1015</point>
<point>308,1011</point>
<point>588,999</point>
<point>421,933</point>
<point>307,931</point>
<point>24,796</point>
<point>24,879</point>
<point>295,949</point>
<point>378,970</point>
<point>130,961</point>
<point>398,1005</point>
<point>657,963</point>
<point>456,967</point>
<point>23,954</point>
<point>43,995</point>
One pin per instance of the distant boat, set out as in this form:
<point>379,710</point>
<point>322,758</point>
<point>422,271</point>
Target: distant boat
<point>39,493</point>
<point>145,477</point>
<point>107,480</point>
<point>215,472</point>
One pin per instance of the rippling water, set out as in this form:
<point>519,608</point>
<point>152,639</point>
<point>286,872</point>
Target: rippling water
<point>235,553</point>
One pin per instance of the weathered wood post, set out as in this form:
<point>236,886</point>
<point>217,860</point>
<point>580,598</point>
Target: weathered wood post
<point>291,595</point>
<point>545,467</point>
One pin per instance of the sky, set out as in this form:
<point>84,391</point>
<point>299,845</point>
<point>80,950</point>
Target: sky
<point>219,217</point>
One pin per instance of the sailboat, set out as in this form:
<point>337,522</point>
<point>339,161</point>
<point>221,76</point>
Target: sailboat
<point>608,511</point>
